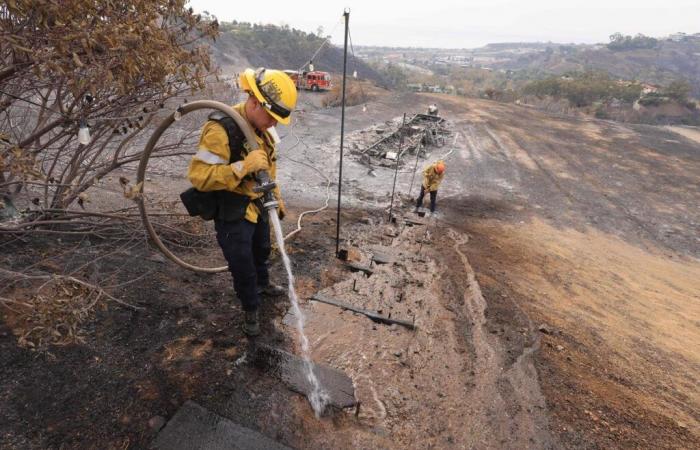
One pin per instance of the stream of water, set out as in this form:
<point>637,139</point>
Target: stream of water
<point>318,397</point>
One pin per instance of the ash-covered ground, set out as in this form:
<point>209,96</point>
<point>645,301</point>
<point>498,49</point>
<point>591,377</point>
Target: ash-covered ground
<point>555,296</point>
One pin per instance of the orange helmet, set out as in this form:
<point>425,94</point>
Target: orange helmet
<point>440,167</point>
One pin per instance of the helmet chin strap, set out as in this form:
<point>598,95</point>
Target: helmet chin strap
<point>251,116</point>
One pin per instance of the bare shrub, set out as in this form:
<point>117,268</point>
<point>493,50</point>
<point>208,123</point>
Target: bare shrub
<point>355,94</point>
<point>110,66</point>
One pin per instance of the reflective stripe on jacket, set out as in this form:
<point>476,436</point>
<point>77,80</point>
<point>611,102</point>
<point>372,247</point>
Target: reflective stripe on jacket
<point>209,169</point>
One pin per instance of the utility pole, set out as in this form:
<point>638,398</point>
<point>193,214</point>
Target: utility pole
<point>346,14</point>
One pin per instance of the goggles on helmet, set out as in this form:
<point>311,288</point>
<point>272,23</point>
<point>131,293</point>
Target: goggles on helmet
<point>268,103</point>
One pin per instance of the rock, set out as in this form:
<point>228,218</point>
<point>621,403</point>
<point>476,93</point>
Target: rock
<point>544,328</point>
<point>155,423</point>
<point>560,348</point>
<point>397,353</point>
<point>354,255</point>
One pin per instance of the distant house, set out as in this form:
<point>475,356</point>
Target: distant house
<point>459,58</point>
<point>678,37</point>
<point>415,87</point>
<point>649,88</point>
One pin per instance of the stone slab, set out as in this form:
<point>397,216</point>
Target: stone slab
<point>382,254</point>
<point>292,370</point>
<point>382,258</point>
<point>414,221</point>
<point>354,266</point>
<point>196,428</point>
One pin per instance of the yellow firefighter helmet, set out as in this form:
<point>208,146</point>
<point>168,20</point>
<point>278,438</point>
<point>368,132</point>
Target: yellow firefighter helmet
<point>273,89</point>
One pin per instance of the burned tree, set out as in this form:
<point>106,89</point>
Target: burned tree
<point>80,82</point>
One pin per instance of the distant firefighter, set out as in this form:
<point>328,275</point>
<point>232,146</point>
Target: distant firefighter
<point>432,177</point>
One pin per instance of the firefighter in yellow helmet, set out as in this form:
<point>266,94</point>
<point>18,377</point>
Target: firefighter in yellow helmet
<point>432,177</point>
<point>224,166</point>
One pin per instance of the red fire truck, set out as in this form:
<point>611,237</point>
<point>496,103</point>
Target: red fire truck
<point>311,81</point>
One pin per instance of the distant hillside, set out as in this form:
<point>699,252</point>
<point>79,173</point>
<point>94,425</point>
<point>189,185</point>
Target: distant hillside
<point>667,60</point>
<point>243,44</point>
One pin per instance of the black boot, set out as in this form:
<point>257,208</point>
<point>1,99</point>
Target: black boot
<point>251,324</point>
<point>271,290</point>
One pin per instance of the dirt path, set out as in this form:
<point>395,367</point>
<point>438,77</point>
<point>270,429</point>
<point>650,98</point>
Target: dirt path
<point>522,423</point>
<point>692,133</point>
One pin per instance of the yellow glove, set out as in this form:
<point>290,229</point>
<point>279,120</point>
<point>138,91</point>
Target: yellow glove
<point>255,161</point>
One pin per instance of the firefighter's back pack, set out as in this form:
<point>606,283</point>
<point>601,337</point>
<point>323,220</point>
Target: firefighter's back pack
<point>220,204</point>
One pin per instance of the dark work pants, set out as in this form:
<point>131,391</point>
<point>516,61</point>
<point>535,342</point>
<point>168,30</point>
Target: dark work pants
<point>246,247</point>
<point>433,198</point>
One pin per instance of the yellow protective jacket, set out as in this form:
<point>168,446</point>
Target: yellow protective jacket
<point>210,170</point>
<point>431,179</point>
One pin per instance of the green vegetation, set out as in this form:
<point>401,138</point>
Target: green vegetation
<point>275,46</point>
<point>678,91</point>
<point>395,76</point>
<point>619,42</point>
<point>288,48</point>
<point>583,89</point>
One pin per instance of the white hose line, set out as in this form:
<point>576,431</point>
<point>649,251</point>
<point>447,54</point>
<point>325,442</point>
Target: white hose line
<point>328,186</point>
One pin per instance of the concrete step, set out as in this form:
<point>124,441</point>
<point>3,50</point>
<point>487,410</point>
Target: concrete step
<point>291,370</point>
<point>196,428</point>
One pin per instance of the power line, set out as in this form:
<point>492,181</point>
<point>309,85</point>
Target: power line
<point>354,58</point>
<point>326,41</point>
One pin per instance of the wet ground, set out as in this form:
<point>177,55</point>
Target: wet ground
<point>555,299</point>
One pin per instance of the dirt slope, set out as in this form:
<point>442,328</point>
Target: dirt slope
<point>592,229</point>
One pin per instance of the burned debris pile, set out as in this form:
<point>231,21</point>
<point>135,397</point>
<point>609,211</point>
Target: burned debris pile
<point>383,145</point>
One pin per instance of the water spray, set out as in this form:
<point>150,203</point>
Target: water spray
<point>318,397</point>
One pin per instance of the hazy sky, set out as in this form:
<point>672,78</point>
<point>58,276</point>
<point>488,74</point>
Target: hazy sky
<point>468,23</point>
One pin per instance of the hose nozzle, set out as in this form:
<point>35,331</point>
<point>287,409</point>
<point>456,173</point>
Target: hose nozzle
<point>266,186</point>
